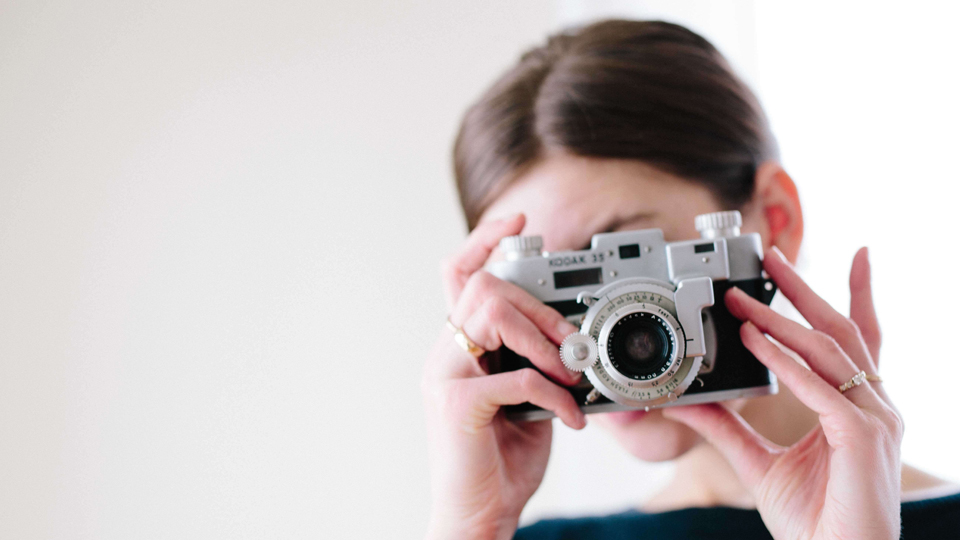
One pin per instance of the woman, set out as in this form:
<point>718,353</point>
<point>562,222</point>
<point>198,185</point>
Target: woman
<point>629,125</point>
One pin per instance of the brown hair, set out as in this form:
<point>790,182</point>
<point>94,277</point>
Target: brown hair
<point>645,90</point>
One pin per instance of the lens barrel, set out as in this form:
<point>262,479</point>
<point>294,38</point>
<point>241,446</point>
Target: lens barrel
<point>640,346</point>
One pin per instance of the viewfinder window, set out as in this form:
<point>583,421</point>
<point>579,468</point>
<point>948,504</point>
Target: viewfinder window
<point>630,251</point>
<point>577,278</point>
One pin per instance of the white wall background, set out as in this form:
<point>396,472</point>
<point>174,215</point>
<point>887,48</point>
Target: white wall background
<point>217,220</point>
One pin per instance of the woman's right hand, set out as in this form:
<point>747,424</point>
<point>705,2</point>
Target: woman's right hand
<point>484,467</point>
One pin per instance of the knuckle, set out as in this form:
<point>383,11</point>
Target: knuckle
<point>853,328</point>
<point>484,280</point>
<point>809,377</point>
<point>826,342</point>
<point>894,423</point>
<point>883,428</point>
<point>537,346</point>
<point>868,429</point>
<point>546,348</point>
<point>529,380</point>
<point>496,310</point>
<point>480,284</point>
<point>470,286</point>
<point>841,327</point>
<point>877,430</point>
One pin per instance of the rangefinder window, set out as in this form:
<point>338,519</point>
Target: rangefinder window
<point>577,278</point>
<point>630,251</point>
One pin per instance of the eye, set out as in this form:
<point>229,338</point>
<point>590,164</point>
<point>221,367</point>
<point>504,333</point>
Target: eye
<point>612,228</point>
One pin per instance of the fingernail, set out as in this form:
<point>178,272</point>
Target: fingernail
<point>733,299</point>
<point>779,253</point>
<point>565,328</point>
<point>575,375</point>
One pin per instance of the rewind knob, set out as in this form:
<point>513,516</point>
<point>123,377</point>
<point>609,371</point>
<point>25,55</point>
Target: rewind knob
<point>578,352</point>
<point>719,224</point>
<point>518,247</point>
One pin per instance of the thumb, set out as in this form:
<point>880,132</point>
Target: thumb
<point>748,452</point>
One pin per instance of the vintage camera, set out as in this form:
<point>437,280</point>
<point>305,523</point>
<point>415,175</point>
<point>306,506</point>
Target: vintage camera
<point>654,330</point>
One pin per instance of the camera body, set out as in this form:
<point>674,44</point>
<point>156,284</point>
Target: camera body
<point>654,330</point>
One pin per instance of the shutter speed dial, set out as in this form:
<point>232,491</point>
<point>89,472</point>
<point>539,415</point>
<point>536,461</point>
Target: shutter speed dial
<point>578,352</point>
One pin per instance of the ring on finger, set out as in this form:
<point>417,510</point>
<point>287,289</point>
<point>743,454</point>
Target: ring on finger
<point>857,380</point>
<point>464,342</point>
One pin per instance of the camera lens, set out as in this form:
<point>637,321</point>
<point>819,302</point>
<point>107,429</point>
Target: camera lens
<point>640,346</point>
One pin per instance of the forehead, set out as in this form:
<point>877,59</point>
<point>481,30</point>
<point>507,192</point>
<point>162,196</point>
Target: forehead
<point>567,199</point>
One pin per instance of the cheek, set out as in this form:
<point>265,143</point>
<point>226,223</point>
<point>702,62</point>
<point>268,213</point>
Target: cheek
<point>652,438</point>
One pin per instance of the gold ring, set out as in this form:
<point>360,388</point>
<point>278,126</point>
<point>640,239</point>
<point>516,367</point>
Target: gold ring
<point>857,380</point>
<point>464,342</point>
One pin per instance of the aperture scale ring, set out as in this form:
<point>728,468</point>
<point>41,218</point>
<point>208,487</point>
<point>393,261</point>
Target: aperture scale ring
<point>650,297</point>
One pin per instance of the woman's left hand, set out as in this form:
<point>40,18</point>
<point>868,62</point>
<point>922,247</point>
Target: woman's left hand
<point>841,480</point>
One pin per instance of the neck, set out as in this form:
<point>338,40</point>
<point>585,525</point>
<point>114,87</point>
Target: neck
<point>703,478</point>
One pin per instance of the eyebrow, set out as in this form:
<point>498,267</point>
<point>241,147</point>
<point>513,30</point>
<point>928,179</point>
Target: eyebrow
<point>616,223</point>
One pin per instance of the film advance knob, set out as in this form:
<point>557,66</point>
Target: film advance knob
<point>516,247</point>
<point>718,224</point>
<point>578,352</point>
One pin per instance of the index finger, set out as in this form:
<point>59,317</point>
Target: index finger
<point>475,252</point>
<point>862,309</point>
<point>817,311</point>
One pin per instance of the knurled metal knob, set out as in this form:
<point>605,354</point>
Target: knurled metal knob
<point>578,352</point>
<point>516,247</point>
<point>719,224</point>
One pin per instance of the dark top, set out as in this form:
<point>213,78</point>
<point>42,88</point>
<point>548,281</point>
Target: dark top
<point>929,519</point>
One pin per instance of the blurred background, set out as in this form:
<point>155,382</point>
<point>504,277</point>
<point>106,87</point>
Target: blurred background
<point>221,226</point>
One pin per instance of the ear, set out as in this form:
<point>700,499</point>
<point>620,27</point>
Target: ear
<point>775,210</point>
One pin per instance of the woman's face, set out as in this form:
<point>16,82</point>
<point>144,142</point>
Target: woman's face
<point>567,199</point>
